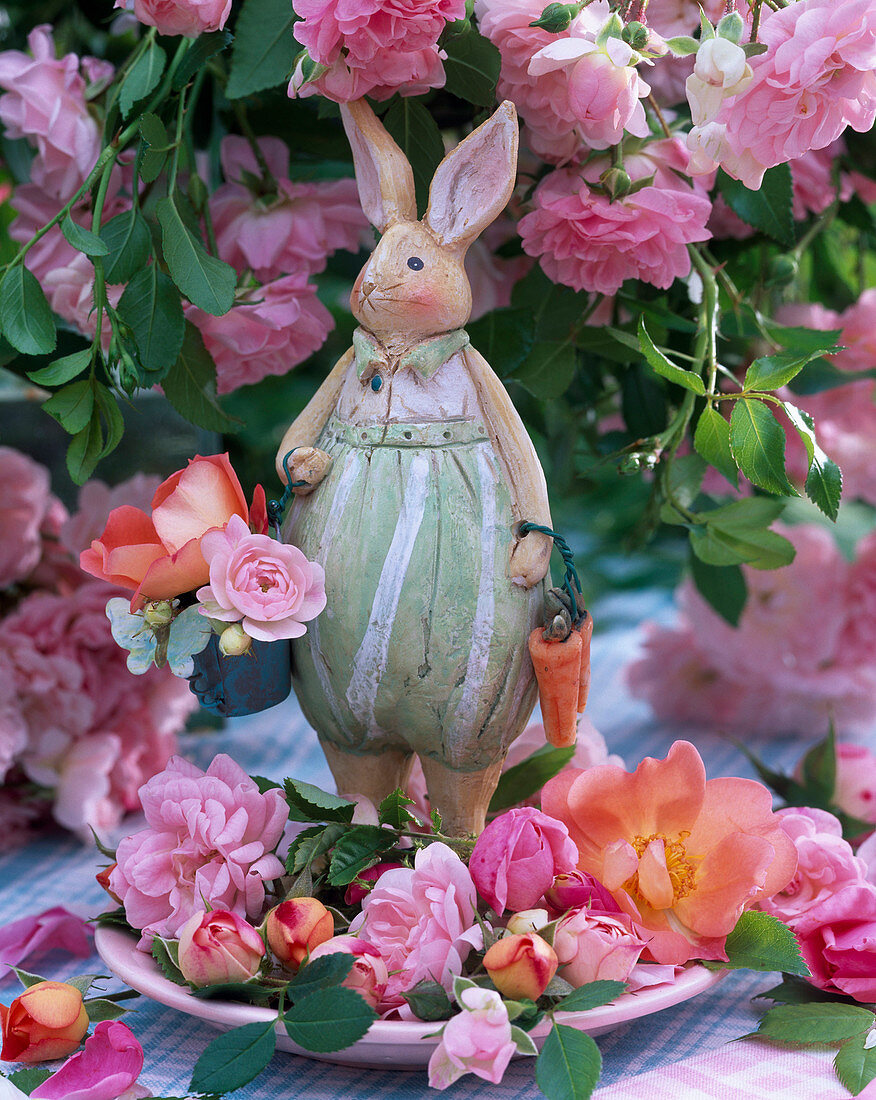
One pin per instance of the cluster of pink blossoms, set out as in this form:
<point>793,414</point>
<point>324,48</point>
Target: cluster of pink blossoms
<point>779,670</point>
<point>373,47</point>
<point>283,235</point>
<point>73,721</point>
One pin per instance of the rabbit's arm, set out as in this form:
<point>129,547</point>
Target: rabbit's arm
<point>530,556</point>
<point>308,463</point>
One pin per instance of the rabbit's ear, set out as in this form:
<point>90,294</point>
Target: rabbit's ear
<point>383,174</point>
<point>474,182</point>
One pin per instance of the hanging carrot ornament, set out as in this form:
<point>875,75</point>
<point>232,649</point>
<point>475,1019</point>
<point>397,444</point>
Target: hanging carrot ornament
<point>560,652</point>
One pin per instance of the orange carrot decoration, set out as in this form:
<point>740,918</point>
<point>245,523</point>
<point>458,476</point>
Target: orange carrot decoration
<point>558,672</point>
<point>584,627</point>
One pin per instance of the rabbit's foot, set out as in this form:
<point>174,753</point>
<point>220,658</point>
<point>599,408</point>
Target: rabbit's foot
<point>530,559</point>
<point>310,465</point>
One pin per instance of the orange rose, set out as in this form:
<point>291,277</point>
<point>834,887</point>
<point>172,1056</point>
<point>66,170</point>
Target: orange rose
<point>47,1021</point>
<point>159,556</point>
<point>295,927</point>
<point>521,965</point>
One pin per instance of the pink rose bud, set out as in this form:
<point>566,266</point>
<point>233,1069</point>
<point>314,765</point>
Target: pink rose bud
<point>517,857</point>
<point>368,976</point>
<point>521,965</point>
<point>234,641</point>
<point>219,947</point>
<point>356,892</point>
<point>295,927</point>
<point>575,889</point>
<point>594,947</point>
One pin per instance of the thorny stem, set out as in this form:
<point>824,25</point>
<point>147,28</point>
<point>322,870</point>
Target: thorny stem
<point>99,294</point>
<point>755,20</point>
<point>250,135</point>
<point>707,338</point>
<point>652,103</point>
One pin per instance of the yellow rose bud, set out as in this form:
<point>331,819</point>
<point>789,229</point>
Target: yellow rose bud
<point>47,1021</point>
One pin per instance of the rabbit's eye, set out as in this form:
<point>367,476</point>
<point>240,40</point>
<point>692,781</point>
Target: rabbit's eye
<point>415,263</point>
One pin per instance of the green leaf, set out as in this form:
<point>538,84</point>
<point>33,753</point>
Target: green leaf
<point>429,1001</point>
<point>769,208</point>
<point>142,78</point>
<point>737,533</point>
<point>190,386</point>
<point>799,340</point>
<point>235,1058</point>
<point>310,844</point>
<point>83,982</point>
<point>393,810</point>
<point>324,973</point>
<point>62,370</point>
<point>723,587</point>
<point>328,1020</point>
<point>199,53</point>
<point>682,45</point>
<point>27,1079</point>
<point>25,315</point>
<point>772,371</point>
<point>309,803</point>
<point>154,148</point>
<point>472,67</point>
<point>762,942</point>
<point>824,482</point>
<point>83,240</point>
<point>757,443</point>
<point>556,309</point>
<point>359,848</point>
<point>101,1009</point>
<point>252,992</point>
<point>129,245</point>
<point>504,337</point>
<point>208,283</point>
<point>855,1065</point>
<point>417,135</point>
<point>530,775</point>
<point>819,769</point>
<point>591,995</point>
<point>151,306</point>
<point>666,369</point>
<point>569,1065</point>
<point>72,406</point>
<point>166,954</point>
<point>712,442</point>
<point>26,978</point>
<point>264,47</point>
<point>793,990</point>
<point>827,1022</point>
<point>548,370</point>
<point>113,419</point>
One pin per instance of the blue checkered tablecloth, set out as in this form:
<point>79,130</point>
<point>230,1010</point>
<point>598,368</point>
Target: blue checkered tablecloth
<point>278,743</point>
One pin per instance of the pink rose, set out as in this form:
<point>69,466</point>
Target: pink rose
<point>477,1040</point>
<point>368,976</point>
<point>105,1069</point>
<point>421,920</point>
<point>356,891</point>
<point>595,947</point>
<point>45,103</point>
<point>295,230</point>
<point>219,947</point>
<point>589,243</point>
<point>24,501</point>
<point>815,79</point>
<point>269,585</point>
<point>575,889</point>
<point>281,327</point>
<point>209,840</point>
<point>374,47</point>
<point>95,733</point>
<point>825,863</point>
<point>187,17</point>
<point>517,857</point>
<point>772,672</point>
<point>838,940</point>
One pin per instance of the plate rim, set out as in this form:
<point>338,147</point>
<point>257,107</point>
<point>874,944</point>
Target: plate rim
<point>118,949</point>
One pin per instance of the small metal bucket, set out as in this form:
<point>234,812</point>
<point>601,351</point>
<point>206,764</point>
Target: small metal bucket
<point>234,686</point>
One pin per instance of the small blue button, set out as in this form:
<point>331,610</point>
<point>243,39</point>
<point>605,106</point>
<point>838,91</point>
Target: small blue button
<point>376,382</point>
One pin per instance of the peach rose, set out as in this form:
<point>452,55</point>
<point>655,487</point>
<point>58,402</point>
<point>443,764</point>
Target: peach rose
<point>47,1021</point>
<point>159,556</point>
<point>521,965</point>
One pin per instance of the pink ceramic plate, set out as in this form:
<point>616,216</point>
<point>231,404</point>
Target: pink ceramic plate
<point>389,1042</point>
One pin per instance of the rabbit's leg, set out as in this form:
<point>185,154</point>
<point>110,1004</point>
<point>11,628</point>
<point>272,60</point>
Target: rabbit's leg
<point>374,776</point>
<point>461,798</point>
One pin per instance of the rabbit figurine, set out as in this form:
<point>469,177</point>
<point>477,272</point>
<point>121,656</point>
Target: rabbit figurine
<point>418,470</point>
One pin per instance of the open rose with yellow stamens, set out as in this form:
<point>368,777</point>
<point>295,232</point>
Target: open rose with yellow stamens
<point>683,856</point>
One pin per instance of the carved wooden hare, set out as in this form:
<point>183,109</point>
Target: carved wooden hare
<point>419,468</point>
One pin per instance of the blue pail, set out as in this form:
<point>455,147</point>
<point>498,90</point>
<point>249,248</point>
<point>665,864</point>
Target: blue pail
<point>234,686</point>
